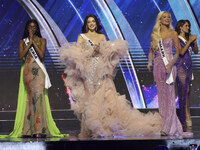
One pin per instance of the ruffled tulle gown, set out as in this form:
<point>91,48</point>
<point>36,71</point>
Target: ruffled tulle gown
<point>102,111</point>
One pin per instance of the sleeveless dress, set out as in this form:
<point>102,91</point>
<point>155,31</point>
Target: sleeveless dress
<point>102,111</point>
<point>166,93</point>
<point>33,115</point>
<point>184,77</point>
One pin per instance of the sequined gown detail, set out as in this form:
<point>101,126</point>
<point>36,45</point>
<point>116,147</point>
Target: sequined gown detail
<point>101,110</point>
<point>166,93</point>
<point>184,77</point>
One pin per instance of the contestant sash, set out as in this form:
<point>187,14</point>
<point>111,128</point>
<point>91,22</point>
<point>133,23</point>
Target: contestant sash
<point>86,38</point>
<point>35,56</point>
<point>189,48</point>
<point>164,58</point>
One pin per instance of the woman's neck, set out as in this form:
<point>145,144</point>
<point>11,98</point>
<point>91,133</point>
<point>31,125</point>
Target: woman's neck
<point>183,35</point>
<point>164,28</point>
<point>92,32</point>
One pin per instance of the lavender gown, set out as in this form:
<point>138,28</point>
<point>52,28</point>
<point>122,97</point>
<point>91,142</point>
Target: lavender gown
<point>166,93</point>
<point>184,77</point>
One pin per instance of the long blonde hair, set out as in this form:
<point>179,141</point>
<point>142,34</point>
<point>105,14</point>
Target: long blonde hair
<point>155,36</point>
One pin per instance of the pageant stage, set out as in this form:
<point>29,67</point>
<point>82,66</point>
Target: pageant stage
<point>67,123</point>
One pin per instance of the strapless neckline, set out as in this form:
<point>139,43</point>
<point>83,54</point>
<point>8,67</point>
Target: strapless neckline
<point>166,39</point>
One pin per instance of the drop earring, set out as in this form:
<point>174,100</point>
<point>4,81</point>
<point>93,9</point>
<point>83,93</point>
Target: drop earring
<point>181,30</point>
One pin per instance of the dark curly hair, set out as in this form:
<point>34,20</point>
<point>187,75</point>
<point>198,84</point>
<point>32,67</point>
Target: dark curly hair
<point>99,27</point>
<point>26,33</point>
<point>179,24</point>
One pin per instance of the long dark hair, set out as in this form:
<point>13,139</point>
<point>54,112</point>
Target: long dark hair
<point>26,33</point>
<point>179,24</point>
<point>84,27</point>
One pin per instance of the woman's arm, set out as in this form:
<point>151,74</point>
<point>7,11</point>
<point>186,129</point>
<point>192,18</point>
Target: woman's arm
<point>151,57</point>
<point>184,49</point>
<point>22,52</point>
<point>40,51</point>
<point>79,40</point>
<point>177,48</point>
<point>195,48</point>
<point>103,37</point>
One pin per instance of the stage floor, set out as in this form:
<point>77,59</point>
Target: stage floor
<point>117,143</point>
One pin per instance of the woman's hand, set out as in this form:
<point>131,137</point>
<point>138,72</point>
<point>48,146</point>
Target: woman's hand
<point>149,66</point>
<point>193,38</point>
<point>30,36</point>
<point>96,50</point>
<point>168,68</point>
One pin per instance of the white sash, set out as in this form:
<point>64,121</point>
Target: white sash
<point>189,48</point>
<point>86,38</point>
<point>162,53</point>
<point>35,56</point>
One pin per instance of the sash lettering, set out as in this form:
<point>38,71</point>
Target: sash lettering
<point>86,38</point>
<point>165,61</point>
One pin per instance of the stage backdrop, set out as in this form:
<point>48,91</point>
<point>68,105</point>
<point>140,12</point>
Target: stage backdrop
<point>65,19</point>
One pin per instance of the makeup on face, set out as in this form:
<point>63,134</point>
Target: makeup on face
<point>185,28</point>
<point>32,26</point>
<point>91,23</point>
<point>165,19</point>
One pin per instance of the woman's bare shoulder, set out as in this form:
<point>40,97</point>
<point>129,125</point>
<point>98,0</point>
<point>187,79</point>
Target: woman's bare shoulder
<point>43,39</point>
<point>102,36</point>
<point>173,33</point>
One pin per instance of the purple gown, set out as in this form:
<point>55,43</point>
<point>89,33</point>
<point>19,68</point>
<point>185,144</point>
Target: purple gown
<point>184,77</point>
<point>166,93</point>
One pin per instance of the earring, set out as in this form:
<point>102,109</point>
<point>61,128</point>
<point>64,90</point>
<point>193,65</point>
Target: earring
<point>96,28</point>
<point>181,30</point>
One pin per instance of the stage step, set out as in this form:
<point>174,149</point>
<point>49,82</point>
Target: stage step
<point>66,120</point>
<point>194,111</point>
<point>57,114</point>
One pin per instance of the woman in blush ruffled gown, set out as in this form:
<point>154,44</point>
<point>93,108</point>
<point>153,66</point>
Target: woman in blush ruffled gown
<point>90,71</point>
<point>184,69</point>
<point>163,38</point>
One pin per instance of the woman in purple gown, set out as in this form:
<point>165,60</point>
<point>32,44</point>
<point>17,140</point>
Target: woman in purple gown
<point>163,38</point>
<point>184,69</point>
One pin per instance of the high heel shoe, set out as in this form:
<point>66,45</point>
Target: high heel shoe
<point>26,136</point>
<point>40,135</point>
<point>162,133</point>
<point>188,120</point>
<point>189,123</point>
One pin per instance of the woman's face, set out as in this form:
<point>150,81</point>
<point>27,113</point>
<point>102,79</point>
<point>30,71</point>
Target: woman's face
<point>165,19</point>
<point>185,28</point>
<point>91,23</point>
<point>32,27</point>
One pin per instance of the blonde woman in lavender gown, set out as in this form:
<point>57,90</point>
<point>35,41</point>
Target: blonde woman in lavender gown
<point>163,38</point>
